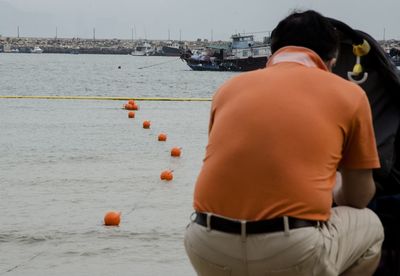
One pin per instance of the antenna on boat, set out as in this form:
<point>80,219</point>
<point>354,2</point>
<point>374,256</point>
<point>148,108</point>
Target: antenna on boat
<point>169,35</point>
<point>134,27</point>
<point>94,34</point>
<point>212,35</point>
<point>18,31</point>
<point>56,32</point>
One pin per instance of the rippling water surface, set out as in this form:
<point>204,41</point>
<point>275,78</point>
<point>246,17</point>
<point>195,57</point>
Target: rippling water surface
<point>65,163</point>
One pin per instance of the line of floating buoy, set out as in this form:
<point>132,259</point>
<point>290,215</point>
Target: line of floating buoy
<point>95,98</point>
<point>113,218</point>
<point>162,137</point>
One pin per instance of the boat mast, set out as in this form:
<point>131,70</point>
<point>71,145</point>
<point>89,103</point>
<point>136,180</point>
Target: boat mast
<point>134,28</point>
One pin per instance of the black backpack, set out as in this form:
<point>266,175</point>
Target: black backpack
<point>382,87</point>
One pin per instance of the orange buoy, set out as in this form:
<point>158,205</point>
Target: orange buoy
<point>129,107</point>
<point>131,114</point>
<point>146,124</point>
<point>112,218</point>
<point>132,102</point>
<point>135,107</point>
<point>176,152</point>
<point>162,137</point>
<point>166,175</point>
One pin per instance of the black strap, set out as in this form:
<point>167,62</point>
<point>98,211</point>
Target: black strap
<point>252,227</point>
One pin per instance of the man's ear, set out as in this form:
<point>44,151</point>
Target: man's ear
<point>331,63</point>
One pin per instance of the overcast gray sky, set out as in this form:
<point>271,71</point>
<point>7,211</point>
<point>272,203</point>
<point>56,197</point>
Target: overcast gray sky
<point>188,19</point>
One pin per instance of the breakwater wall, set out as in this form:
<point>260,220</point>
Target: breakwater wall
<point>84,46</point>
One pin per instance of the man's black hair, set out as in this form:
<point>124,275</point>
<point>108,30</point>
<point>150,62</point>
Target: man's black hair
<point>307,29</point>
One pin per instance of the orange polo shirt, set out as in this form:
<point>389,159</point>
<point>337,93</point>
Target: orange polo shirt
<point>277,137</point>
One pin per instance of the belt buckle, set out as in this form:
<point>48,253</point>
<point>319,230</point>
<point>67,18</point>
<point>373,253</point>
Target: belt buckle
<point>208,220</point>
<point>243,232</point>
<point>193,216</point>
<point>286,226</point>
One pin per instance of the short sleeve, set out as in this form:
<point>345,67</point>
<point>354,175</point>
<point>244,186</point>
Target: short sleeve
<point>360,151</point>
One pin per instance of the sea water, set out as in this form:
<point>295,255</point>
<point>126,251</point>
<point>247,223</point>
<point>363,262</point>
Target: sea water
<point>65,163</point>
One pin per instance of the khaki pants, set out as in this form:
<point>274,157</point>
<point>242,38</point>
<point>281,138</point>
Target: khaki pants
<point>346,240</point>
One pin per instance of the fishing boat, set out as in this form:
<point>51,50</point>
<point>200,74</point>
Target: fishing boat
<point>393,53</point>
<point>243,54</point>
<point>143,49</point>
<point>172,49</point>
<point>396,60</point>
<point>37,50</point>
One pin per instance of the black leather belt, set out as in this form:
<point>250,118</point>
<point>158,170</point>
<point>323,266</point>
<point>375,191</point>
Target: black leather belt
<point>252,227</point>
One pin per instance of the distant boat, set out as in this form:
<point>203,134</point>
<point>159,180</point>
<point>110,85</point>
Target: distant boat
<point>36,50</point>
<point>396,60</point>
<point>75,50</point>
<point>394,55</point>
<point>244,54</point>
<point>143,49</point>
<point>172,49</point>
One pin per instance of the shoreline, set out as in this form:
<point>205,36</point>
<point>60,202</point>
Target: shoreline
<point>92,46</point>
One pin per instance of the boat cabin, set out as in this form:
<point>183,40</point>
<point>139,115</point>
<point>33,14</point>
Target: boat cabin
<point>242,41</point>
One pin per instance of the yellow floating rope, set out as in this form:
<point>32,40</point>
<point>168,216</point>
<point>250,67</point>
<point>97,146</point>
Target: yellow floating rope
<point>96,98</point>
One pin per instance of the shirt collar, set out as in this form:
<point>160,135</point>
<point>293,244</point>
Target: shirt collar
<point>296,54</point>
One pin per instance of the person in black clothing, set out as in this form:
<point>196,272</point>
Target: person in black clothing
<point>382,86</point>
